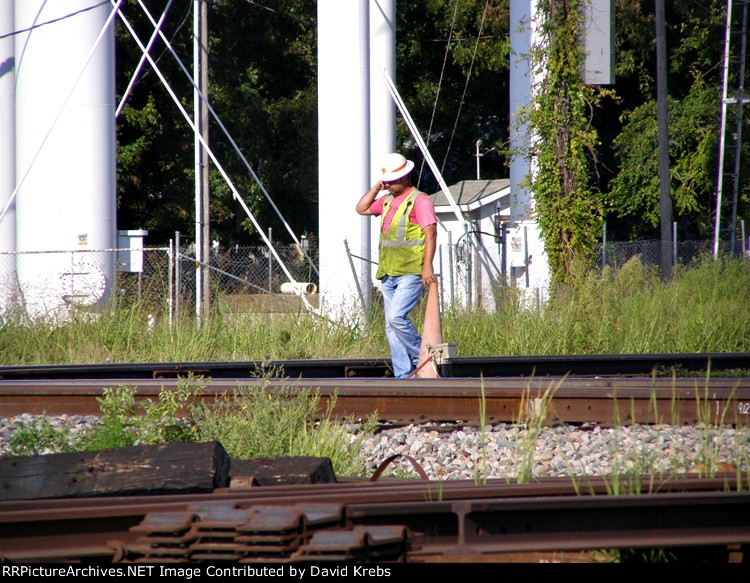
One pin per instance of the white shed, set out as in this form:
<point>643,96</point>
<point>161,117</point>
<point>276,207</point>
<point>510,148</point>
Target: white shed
<point>470,272</point>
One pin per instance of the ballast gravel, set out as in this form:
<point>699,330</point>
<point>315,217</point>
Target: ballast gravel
<point>505,451</point>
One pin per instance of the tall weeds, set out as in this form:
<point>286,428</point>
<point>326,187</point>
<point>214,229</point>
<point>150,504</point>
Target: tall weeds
<point>630,310</point>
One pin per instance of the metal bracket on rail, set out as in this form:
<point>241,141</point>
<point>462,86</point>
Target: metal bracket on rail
<point>387,462</point>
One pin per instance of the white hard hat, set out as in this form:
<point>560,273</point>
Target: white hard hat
<point>394,167</point>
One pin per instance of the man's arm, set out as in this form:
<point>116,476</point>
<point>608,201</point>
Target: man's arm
<point>430,243</point>
<point>363,206</point>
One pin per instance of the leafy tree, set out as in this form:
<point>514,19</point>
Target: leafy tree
<point>452,62</point>
<point>262,88</point>
<point>155,145</point>
<point>695,44</point>
<point>693,150</point>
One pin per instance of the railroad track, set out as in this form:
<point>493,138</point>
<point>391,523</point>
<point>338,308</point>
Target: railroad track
<point>418,521</point>
<point>403,521</point>
<point>587,365</point>
<point>605,401</point>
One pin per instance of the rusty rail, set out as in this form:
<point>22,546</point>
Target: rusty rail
<point>410,521</point>
<point>606,401</point>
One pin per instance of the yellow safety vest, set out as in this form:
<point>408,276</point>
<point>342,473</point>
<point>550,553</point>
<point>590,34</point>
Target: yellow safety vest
<point>402,245</point>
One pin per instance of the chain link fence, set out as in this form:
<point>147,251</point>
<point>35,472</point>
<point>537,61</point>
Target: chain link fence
<point>161,279</point>
<point>252,278</point>
<point>616,254</point>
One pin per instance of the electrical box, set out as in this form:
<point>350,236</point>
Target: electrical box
<point>130,250</point>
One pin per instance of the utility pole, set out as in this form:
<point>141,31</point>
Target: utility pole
<point>202,232</point>
<point>665,200</point>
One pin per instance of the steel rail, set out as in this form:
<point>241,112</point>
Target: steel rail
<point>572,523</point>
<point>490,366</point>
<point>452,518</point>
<point>605,401</point>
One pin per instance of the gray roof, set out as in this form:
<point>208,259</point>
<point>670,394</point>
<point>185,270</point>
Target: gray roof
<point>467,192</point>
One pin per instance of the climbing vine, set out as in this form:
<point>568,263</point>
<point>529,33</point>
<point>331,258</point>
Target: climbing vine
<point>564,143</point>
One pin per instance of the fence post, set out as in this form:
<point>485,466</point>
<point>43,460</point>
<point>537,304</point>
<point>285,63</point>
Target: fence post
<point>450,267</point>
<point>674,243</point>
<point>744,240</point>
<point>354,275</point>
<point>604,245</point>
<point>270,261</point>
<point>442,291</point>
<point>504,259</point>
<point>170,283</point>
<point>469,279</point>
<point>178,276</point>
<point>526,253</point>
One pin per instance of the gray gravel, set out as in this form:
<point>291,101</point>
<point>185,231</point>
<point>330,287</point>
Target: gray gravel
<point>450,452</point>
<point>506,450</point>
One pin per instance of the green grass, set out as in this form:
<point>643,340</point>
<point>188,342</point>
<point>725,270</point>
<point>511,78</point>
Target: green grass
<point>631,310</point>
<point>253,422</point>
<point>250,423</point>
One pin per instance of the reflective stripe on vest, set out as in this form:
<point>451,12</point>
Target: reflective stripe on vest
<point>402,245</point>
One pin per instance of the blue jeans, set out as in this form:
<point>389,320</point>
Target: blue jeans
<point>401,293</point>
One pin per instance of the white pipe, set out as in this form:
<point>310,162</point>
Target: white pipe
<point>364,130</point>
<point>7,121</point>
<point>382,107</point>
<point>83,70</point>
<point>343,146</point>
<point>298,288</point>
<point>202,204</point>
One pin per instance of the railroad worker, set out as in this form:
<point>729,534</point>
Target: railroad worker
<point>408,234</point>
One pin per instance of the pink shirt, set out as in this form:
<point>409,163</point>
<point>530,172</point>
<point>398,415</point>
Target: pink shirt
<point>422,213</point>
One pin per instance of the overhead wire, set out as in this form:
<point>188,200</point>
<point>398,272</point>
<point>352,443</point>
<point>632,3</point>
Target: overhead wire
<point>440,82</point>
<point>231,140</point>
<point>116,7</point>
<point>466,85</point>
<point>216,162</point>
<point>54,20</point>
<point>279,12</point>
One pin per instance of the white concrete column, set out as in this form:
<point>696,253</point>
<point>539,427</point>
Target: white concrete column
<point>382,107</point>
<point>65,152</point>
<point>519,98</point>
<point>344,147</point>
<point>525,238</point>
<point>7,155</point>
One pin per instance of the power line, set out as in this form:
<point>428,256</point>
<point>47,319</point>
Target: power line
<point>278,12</point>
<point>54,20</point>
<point>466,85</point>
<point>440,82</point>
